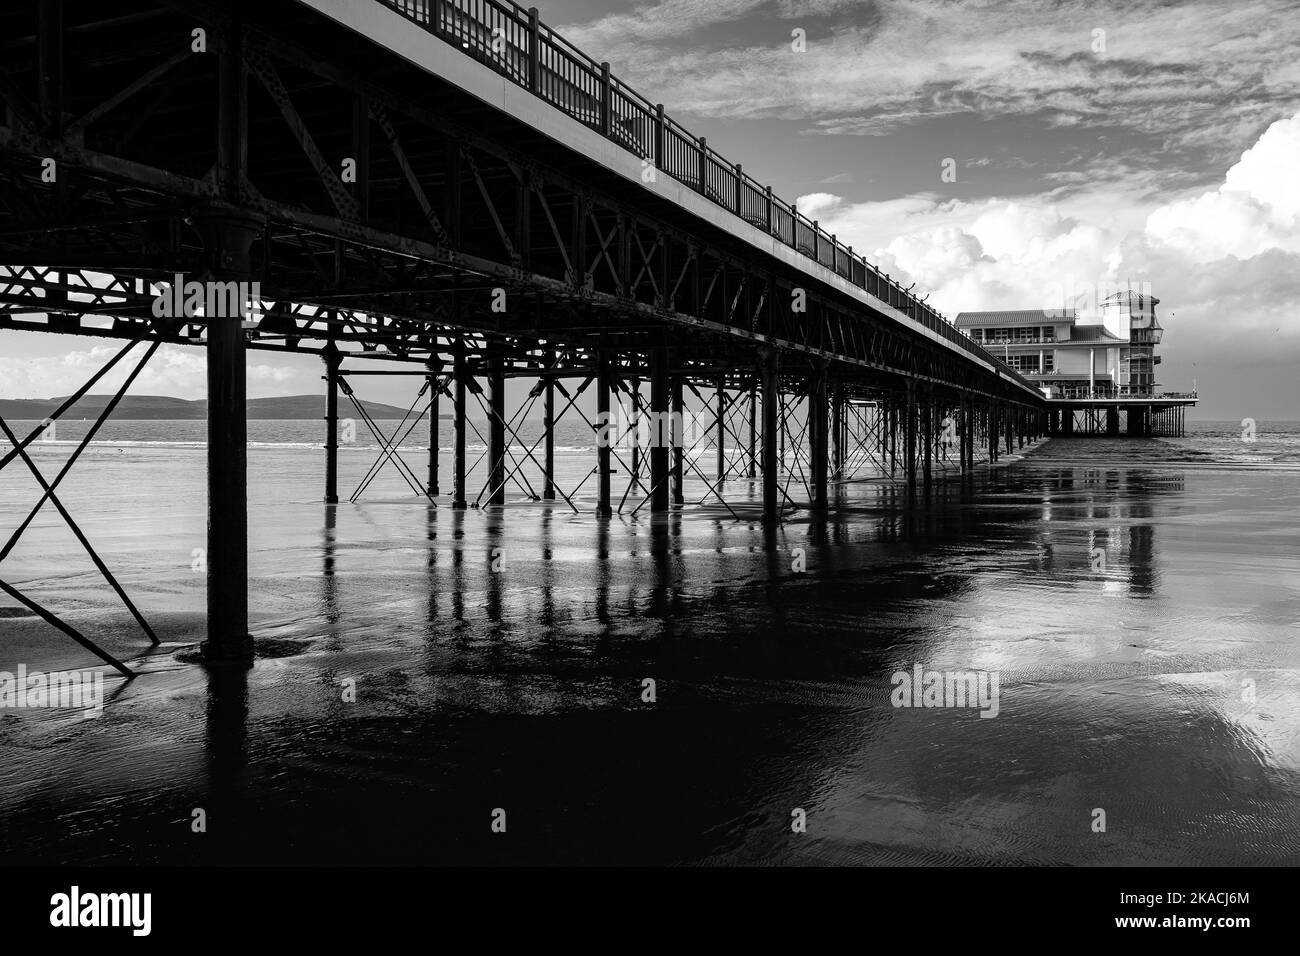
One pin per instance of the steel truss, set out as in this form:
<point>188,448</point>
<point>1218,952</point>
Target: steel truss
<point>19,450</point>
<point>460,236</point>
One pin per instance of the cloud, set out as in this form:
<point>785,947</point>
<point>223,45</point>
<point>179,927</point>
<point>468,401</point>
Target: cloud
<point>174,370</point>
<point>1224,261</point>
<point>1256,209</point>
<point>1181,77</point>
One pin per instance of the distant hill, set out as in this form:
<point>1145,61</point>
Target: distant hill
<point>162,407</point>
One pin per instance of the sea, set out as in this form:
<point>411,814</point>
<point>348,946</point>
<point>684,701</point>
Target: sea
<point>688,689</point>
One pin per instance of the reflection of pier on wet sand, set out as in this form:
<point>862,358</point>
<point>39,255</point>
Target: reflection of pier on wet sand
<point>771,649</point>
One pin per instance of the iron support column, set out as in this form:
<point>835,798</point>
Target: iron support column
<point>770,441</point>
<point>332,362</point>
<point>660,429</point>
<point>433,429</point>
<point>753,431</point>
<point>496,376</point>
<point>720,397</point>
<point>817,426</point>
<point>678,428</point>
<point>909,435</point>
<point>603,505</point>
<point>227,240</point>
<point>548,424</point>
<point>635,387</point>
<point>461,374</point>
<point>927,421</point>
<point>993,432</point>
<point>838,430</point>
<point>893,436</point>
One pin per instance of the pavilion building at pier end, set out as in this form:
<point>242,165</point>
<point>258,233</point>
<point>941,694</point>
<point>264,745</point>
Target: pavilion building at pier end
<point>1091,366</point>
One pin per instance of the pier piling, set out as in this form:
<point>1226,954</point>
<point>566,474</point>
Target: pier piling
<point>227,241</point>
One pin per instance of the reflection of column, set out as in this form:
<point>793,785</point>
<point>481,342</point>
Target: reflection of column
<point>661,571</point>
<point>497,561</point>
<point>227,721</point>
<point>329,587</point>
<point>546,616</point>
<point>431,566</point>
<point>458,582</point>
<point>603,573</point>
<point>1143,575</point>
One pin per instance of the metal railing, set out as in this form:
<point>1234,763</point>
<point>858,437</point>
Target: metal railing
<point>1105,393</point>
<point>513,41</point>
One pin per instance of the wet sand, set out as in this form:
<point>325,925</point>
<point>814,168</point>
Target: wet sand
<point>521,688</point>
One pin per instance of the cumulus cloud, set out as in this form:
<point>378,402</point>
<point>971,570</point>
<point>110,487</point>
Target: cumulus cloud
<point>1256,209</point>
<point>174,370</point>
<point>1225,261</point>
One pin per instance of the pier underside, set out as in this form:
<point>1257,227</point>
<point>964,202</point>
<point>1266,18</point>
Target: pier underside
<point>1142,417</point>
<point>389,223</point>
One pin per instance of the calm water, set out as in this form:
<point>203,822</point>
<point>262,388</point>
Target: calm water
<point>1124,592</point>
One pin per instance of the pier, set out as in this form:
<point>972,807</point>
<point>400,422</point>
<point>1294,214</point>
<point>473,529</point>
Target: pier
<point>451,186</point>
<point>1162,414</point>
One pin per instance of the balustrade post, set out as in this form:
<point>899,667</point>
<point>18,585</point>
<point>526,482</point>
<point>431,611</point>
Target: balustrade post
<point>606,100</point>
<point>659,136</point>
<point>534,54</point>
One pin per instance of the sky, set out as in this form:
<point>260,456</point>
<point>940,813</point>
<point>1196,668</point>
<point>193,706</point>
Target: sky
<point>1094,145</point>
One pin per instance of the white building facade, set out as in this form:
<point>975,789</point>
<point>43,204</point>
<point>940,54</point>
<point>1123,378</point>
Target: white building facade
<point>1108,354</point>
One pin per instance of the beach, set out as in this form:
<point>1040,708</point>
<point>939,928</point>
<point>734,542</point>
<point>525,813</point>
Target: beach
<point>1126,592</point>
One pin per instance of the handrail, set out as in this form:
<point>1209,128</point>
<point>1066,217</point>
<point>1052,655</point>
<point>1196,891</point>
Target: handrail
<point>513,41</point>
<point>1083,393</point>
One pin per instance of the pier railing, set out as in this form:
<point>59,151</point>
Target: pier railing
<point>512,41</point>
<point>1083,393</point>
